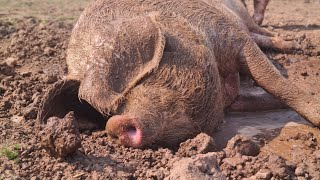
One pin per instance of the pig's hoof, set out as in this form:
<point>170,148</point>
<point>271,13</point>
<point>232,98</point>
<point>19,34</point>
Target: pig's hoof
<point>258,18</point>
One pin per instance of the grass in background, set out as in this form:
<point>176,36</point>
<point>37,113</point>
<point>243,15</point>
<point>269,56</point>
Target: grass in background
<point>11,152</point>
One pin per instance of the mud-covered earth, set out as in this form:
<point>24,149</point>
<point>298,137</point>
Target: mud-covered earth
<point>273,145</point>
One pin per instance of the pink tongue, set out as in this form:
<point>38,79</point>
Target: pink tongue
<point>135,135</point>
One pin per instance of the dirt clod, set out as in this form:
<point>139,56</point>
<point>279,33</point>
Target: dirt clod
<point>6,70</point>
<point>201,144</point>
<point>263,174</point>
<point>30,112</point>
<point>11,61</point>
<point>61,137</point>
<point>17,119</point>
<point>204,166</point>
<point>242,145</point>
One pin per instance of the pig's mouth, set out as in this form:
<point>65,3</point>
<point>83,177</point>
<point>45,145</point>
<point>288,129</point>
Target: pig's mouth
<point>126,130</point>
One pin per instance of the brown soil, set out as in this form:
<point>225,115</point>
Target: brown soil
<point>32,57</point>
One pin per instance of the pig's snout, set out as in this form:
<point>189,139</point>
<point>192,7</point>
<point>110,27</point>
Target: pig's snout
<point>127,130</point>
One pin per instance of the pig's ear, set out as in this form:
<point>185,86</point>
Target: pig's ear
<point>61,98</point>
<point>132,50</point>
<point>55,98</point>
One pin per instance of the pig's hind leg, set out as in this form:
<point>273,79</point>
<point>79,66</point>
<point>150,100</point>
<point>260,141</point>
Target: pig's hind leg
<point>252,98</point>
<point>275,43</point>
<point>245,97</point>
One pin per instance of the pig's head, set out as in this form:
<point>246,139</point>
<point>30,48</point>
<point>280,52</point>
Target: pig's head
<point>119,82</point>
<point>144,111</point>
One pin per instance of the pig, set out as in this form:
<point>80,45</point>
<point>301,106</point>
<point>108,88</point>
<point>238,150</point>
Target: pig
<point>162,71</point>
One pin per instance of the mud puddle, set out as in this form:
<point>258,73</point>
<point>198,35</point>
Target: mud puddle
<point>260,126</point>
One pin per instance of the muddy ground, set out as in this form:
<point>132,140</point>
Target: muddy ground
<point>278,144</point>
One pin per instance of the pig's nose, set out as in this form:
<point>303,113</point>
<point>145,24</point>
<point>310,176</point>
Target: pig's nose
<point>127,130</point>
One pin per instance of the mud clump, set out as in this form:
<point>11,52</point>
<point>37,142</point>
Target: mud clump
<point>291,154</point>
<point>204,166</point>
<point>242,145</point>
<point>61,137</point>
<point>201,144</point>
<point>6,28</point>
<point>258,167</point>
<point>299,145</point>
<point>6,70</point>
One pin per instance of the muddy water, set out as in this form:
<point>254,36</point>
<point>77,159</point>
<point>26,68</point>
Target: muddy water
<point>258,125</point>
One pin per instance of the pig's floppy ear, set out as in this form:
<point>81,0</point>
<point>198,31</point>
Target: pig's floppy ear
<point>133,50</point>
<point>61,98</point>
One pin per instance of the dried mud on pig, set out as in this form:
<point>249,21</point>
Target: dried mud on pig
<point>23,84</point>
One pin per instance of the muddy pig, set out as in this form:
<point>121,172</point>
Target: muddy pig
<point>164,70</point>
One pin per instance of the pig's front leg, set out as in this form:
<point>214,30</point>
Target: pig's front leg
<point>259,9</point>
